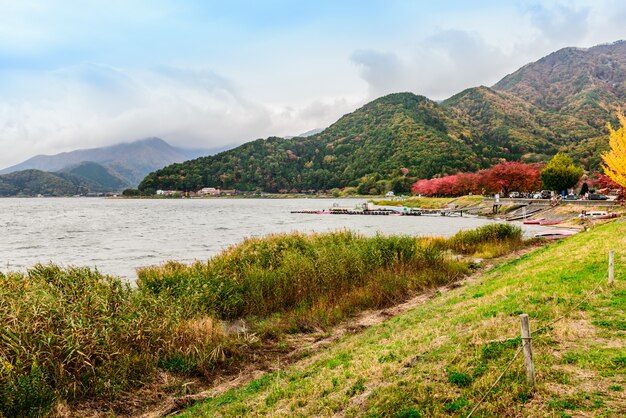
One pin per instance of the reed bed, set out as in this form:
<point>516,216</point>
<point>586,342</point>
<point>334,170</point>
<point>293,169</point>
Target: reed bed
<point>71,334</point>
<point>487,241</point>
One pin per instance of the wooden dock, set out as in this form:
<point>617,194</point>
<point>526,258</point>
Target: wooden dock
<point>384,212</point>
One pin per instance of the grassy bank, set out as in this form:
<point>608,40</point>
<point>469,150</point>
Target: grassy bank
<point>432,202</point>
<point>74,334</point>
<point>440,358</point>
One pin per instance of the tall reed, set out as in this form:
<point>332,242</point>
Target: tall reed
<point>286,272</point>
<point>73,333</point>
<point>488,241</point>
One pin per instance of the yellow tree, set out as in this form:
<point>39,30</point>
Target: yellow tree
<point>615,159</point>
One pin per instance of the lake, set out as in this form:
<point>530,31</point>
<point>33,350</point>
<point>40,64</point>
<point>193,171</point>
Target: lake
<point>119,235</point>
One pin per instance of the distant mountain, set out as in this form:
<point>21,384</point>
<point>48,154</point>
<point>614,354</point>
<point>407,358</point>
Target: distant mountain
<point>311,132</point>
<point>306,134</point>
<point>83,178</point>
<point>93,177</point>
<point>128,161</point>
<point>558,103</point>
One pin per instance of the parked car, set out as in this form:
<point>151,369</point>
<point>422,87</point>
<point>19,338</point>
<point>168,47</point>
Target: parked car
<point>597,196</point>
<point>570,197</point>
<point>546,194</point>
<point>515,195</point>
<point>537,195</point>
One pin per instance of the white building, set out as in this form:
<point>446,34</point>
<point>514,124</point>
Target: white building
<point>209,191</point>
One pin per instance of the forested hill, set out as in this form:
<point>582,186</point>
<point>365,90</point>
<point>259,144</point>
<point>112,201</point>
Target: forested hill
<point>80,179</point>
<point>378,140</point>
<point>559,103</point>
<point>586,83</point>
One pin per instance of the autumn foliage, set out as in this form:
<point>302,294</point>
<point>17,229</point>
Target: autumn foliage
<point>502,178</point>
<point>615,160</point>
<point>602,182</point>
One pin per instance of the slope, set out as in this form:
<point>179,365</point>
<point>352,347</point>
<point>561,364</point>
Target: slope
<point>514,129</point>
<point>589,84</point>
<point>440,358</point>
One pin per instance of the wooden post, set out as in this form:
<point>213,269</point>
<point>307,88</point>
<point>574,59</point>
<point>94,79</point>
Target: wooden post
<point>528,350</point>
<point>611,267</point>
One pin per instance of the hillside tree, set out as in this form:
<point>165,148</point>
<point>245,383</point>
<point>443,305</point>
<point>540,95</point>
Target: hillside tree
<point>560,173</point>
<point>512,176</point>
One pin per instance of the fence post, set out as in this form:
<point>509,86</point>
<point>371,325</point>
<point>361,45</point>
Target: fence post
<point>528,350</point>
<point>611,267</point>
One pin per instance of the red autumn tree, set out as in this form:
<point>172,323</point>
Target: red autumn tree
<point>607,182</point>
<point>454,185</point>
<point>423,187</point>
<point>602,181</point>
<point>505,177</point>
<point>512,176</point>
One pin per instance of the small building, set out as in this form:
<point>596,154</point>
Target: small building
<point>167,192</point>
<point>209,191</point>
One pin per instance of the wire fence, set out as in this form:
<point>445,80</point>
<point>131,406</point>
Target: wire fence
<point>537,331</point>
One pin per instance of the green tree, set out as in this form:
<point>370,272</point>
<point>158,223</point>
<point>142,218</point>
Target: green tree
<point>131,192</point>
<point>584,188</point>
<point>560,173</point>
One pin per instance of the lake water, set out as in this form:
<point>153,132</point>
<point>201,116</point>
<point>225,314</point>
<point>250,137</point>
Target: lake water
<point>119,235</point>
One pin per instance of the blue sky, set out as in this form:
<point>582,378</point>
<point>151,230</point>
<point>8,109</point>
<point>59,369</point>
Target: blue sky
<point>77,74</point>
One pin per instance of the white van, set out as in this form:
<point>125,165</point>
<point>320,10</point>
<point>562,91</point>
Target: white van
<point>594,214</point>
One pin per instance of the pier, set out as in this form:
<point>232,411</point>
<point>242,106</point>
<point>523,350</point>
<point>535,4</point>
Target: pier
<point>384,212</point>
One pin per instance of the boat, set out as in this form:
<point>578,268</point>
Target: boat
<point>533,221</point>
<point>598,214</point>
<point>547,222</point>
<point>608,216</point>
<point>555,233</point>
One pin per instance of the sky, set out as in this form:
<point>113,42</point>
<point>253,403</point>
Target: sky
<point>208,74</point>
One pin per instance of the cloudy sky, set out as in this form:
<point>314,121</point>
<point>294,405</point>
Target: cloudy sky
<point>203,74</point>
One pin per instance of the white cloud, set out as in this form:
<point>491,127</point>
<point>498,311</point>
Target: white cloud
<point>92,105</point>
<point>73,77</point>
<point>445,63</point>
<point>559,22</point>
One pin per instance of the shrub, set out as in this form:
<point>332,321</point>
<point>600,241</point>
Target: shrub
<point>485,238</point>
<point>75,333</point>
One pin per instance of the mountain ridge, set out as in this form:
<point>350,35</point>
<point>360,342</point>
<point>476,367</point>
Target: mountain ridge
<point>130,161</point>
<point>559,103</point>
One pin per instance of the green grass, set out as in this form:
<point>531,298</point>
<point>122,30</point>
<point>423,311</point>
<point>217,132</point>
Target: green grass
<point>445,357</point>
<point>432,202</point>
